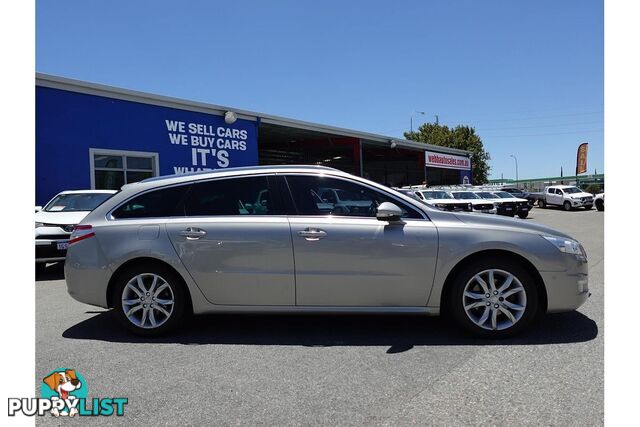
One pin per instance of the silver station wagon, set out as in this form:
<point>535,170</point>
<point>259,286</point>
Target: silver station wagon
<point>301,239</point>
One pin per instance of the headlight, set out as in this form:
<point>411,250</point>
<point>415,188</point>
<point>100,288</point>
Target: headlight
<point>39,224</point>
<point>568,246</point>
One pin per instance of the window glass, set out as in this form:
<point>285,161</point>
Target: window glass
<point>107,161</point>
<point>464,195</point>
<point>165,202</point>
<point>76,202</point>
<point>238,196</point>
<point>315,195</point>
<point>139,163</point>
<point>138,176</point>
<point>109,180</point>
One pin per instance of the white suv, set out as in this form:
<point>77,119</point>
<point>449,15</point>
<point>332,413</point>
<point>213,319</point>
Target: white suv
<point>55,222</point>
<point>567,196</point>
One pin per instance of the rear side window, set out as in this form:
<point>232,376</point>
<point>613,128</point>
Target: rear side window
<point>237,196</point>
<point>160,203</point>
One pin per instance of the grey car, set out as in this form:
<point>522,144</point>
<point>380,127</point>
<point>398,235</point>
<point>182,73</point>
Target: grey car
<point>256,239</point>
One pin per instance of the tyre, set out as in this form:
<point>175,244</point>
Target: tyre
<point>493,299</point>
<point>588,207</point>
<point>523,215</point>
<point>600,205</point>
<point>566,206</point>
<point>149,299</point>
<point>542,204</point>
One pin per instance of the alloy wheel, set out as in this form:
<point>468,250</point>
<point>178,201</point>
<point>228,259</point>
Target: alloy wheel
<point>494,299</point>
<point>147,300</point>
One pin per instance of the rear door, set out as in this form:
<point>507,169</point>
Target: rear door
<point>235,241</point>
<point>347,257</point>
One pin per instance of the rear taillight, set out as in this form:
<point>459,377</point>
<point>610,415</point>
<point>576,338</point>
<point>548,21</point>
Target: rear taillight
<point>81,232</point>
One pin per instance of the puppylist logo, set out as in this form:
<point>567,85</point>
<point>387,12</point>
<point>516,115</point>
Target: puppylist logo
<point>64,394</point>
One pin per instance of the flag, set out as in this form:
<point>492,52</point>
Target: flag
<point>581,158</point>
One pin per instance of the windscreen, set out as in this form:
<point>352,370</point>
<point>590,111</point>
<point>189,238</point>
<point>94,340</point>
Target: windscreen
<point>429,195</point>
<point>464,195</point>
<point>76,202</point>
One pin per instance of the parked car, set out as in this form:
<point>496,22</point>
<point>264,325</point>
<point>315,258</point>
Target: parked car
<point>55,222</point>
<point>477,203</point>
<point>506,203</point>
<point>599,201</point>
<point>165,247</point>
<point>567,196</point>
<point>516,192</point>
<point>438,198</point>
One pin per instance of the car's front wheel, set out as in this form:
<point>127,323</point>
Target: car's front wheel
<point>523,214</point>
<point>567,206</point>
<point>599,205</point>
<point>494,299</point>
<point>149,299</point>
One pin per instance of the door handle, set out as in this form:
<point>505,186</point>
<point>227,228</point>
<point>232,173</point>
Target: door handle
<point>312,233</point>
<point>193,233</point>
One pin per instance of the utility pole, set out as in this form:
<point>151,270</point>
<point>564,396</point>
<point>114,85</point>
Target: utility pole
<point>437,121</point>
<point>419,112</point>
<point>516,159</point>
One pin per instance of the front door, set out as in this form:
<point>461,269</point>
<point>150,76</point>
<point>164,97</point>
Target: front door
<point>350,258</point>
<point>235,244</point>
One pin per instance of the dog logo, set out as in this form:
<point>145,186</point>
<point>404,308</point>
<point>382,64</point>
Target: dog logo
<point>63,393</point>
<point>64,387</point>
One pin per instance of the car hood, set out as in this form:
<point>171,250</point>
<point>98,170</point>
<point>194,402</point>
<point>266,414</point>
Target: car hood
<point>580,195</point>
<point>60,217</point>
<point>516,225</point>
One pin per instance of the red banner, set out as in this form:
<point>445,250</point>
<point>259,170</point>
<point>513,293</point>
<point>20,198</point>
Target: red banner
<point>581,160</point>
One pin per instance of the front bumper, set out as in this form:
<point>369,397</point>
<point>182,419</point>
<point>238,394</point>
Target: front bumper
<point>567,290</point>
<point>47,250</point>
<point>581,203</point>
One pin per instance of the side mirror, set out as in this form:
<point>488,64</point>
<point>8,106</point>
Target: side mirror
<point>38,208</point>
<point>388,212</point>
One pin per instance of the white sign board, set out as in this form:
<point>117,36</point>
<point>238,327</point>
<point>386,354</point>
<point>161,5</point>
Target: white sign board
<point>447,161</point>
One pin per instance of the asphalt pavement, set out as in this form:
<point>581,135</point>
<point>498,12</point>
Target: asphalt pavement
<point>347,370</point>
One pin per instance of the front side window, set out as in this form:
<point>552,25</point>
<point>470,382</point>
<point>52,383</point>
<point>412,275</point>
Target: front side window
<point>339,197</point>
<point>237,196</point>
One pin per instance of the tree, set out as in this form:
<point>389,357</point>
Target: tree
<point>461,137</point>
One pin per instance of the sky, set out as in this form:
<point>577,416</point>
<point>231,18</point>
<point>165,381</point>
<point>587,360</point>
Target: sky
<point>528,75</point>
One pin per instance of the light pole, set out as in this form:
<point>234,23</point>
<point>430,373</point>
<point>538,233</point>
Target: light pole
<point>516,159</point>
<point>419,112</point>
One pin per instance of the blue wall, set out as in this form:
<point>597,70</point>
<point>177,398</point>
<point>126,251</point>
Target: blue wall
<point>69,123</point>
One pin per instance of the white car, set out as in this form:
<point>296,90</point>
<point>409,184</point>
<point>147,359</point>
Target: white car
<point>477,203</point>
<point>506,203</point>
<point>567,196</point>
<point>55,222</point>
<point>443,200</point>
<point>599,201</point>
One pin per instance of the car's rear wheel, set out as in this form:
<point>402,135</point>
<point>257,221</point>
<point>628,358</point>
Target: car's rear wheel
<point>493,299</point>
<point>542,204</point>
<point>149,299</point>
<point>567,206</point>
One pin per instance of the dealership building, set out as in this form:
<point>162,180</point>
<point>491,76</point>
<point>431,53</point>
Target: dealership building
<point>101,137</point>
